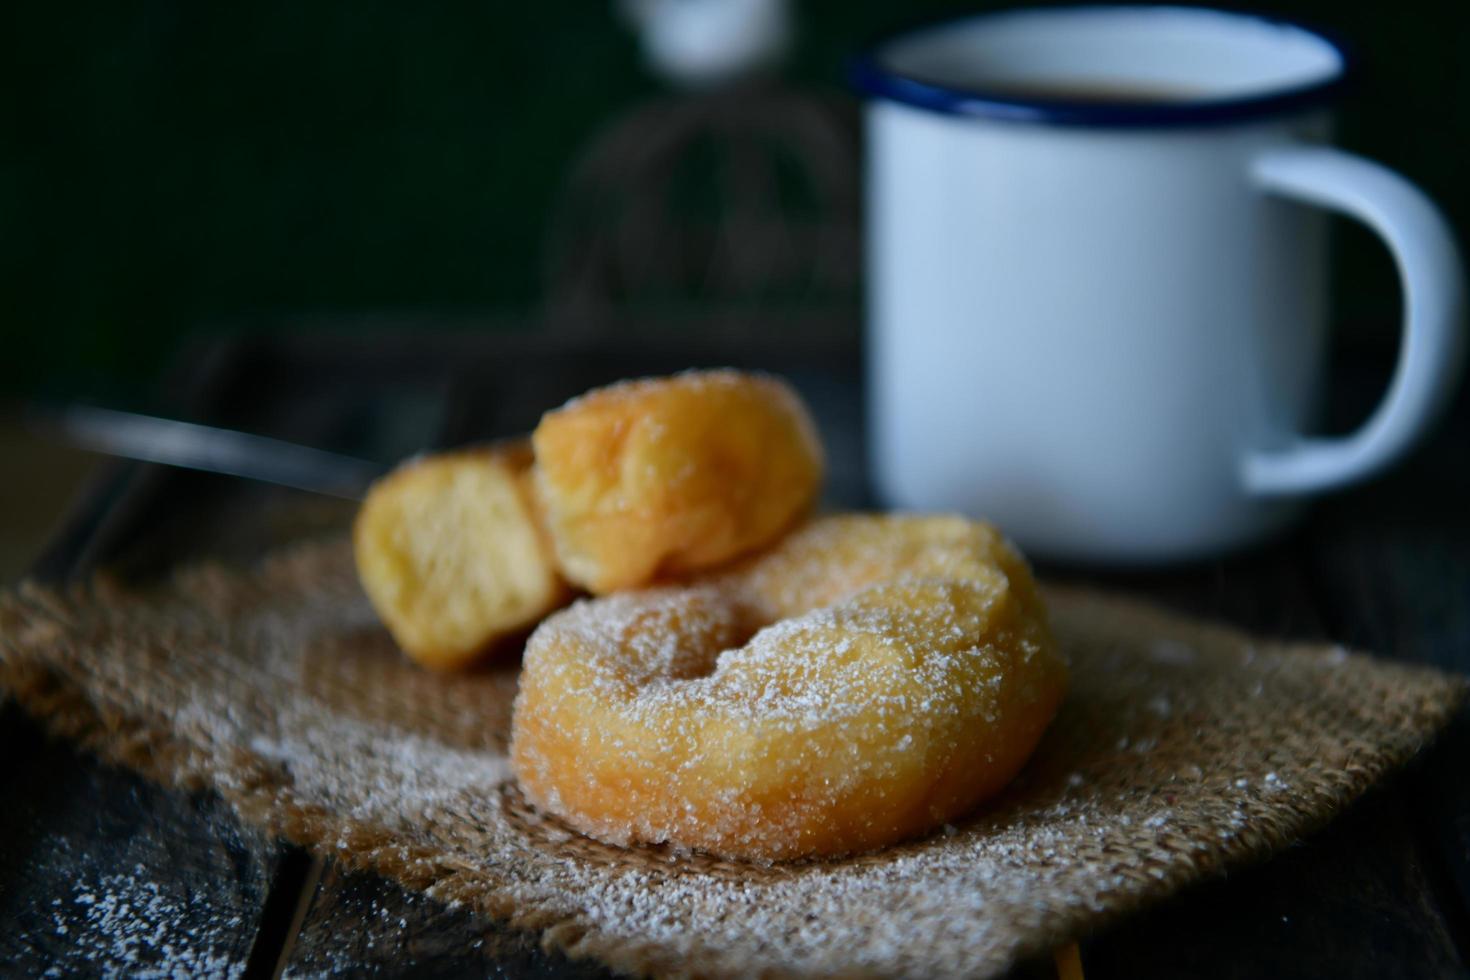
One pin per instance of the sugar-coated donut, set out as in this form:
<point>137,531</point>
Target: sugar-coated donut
<point>868,679</point>
<point>666,476</point>
<point>450,552</point>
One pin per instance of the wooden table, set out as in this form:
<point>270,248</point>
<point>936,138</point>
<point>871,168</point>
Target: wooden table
<point>102,873</point>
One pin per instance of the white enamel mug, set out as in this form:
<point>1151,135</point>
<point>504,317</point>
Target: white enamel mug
<point>1097,277</point>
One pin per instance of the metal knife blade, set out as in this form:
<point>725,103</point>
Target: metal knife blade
<point>204,447</point>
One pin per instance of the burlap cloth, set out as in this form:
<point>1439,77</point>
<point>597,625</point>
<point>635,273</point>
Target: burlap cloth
<point>1182,748</point>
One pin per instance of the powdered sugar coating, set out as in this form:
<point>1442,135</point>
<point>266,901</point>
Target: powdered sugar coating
<point>868,679</point>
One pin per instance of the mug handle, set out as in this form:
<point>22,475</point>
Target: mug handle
<point>1433,344</point>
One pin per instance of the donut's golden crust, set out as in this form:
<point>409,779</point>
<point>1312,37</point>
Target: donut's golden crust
<point>669,476</point>
<point>450,552</point>
<point>867,680</point>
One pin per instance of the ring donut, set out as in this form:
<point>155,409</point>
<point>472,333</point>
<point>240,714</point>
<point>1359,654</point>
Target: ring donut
<point>668,476</point>
<point>868,679</point>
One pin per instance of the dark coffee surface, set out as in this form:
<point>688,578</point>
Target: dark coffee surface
<point>1100,92</point>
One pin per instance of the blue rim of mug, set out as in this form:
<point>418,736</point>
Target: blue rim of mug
<point>867,74</point>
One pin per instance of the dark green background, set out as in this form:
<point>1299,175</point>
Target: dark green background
<point>170,163</point>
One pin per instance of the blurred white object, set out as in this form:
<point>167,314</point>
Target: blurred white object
<point>1097,315</point>
<point>700,43</point>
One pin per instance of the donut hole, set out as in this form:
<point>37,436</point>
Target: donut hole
<point>682,638</point>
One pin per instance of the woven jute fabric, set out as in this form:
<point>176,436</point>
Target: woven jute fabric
<point>1182,749</point>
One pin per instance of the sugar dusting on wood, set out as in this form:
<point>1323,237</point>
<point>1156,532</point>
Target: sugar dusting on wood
<point>127,925</point>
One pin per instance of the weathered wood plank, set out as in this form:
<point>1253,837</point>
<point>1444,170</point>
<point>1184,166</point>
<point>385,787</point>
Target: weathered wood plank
<point>364,925</point>
<point>103,873</point>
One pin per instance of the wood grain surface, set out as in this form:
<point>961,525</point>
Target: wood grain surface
<point>1380,892</point>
